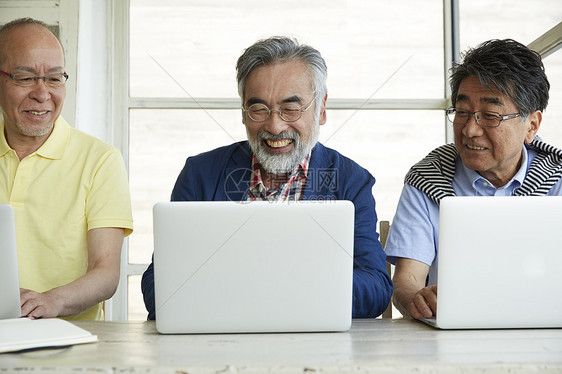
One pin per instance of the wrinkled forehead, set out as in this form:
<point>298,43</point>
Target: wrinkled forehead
<point>474,90</point>
<point>287,78</point>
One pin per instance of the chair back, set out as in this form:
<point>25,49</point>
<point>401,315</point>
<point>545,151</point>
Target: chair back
<point>384,227</point>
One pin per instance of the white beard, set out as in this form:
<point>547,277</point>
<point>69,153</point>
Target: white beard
<point>280,163</point>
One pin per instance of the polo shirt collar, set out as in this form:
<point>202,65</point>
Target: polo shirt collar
<point>55,145</point>
<point>53,148</point>
<point>4,147</point>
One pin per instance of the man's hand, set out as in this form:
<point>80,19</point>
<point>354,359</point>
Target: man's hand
<point>411,297</point>
<point>98,284</point>
<point>39,305</point>
<point>424,303</point>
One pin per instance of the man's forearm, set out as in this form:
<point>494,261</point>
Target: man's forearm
<point>95,286</point>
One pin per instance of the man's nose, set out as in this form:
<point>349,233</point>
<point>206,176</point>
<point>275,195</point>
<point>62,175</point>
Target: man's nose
<point>472,128</point>
<point>40,91</point>
<point>274,124</point>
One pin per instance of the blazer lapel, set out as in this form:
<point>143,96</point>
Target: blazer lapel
<point>322,180</point>
<point>237,175</point>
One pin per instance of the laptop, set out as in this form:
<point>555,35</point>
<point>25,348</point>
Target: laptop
<point>500,261</point>
<point>9,281</point>
<point>253,267</point>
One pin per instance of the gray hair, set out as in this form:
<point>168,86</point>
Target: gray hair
<point>511,67</point>
<point>283,49</point>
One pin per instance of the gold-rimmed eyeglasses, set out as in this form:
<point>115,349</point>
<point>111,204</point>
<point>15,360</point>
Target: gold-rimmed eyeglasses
<point>289,112</point>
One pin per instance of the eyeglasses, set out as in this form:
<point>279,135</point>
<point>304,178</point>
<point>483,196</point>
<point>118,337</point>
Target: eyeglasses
<point>28,80</point>
<point>289,112</point>
<point>484,118</point>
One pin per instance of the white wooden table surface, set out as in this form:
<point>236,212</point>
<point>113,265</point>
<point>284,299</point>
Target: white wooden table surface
<point>381,346</point>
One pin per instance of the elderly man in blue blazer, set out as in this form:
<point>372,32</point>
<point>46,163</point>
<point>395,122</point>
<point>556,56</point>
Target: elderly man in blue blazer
<point>283,89</point>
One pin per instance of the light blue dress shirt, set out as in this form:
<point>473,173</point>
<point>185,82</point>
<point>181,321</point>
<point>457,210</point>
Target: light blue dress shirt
<point>414,231</point>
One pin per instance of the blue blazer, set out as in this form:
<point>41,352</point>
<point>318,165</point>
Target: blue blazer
<point>224,174</point>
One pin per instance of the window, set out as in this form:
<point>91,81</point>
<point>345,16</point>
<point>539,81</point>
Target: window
<point>175,94</point>
<point>184,53</point>
<point>386,85</point>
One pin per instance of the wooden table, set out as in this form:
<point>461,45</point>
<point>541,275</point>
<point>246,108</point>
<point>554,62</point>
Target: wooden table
<point>371,346</point>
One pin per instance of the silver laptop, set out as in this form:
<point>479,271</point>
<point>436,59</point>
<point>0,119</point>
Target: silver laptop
<point>9,282</point>
<point>500,261</point>
<point>227,267</point>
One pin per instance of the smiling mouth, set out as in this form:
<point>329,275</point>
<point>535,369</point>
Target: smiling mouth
<point>278,143</point>
<point>475,147</point>
<point>38,112</point>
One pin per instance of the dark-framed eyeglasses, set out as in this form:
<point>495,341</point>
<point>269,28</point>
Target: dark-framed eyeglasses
<point>484,118</point>
<point>28,79</point>
<point>289,112</point>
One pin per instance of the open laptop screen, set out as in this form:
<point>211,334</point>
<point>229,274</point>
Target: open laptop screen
<point>253,267</point>
<point>9,282</point>
<point>499,262</point>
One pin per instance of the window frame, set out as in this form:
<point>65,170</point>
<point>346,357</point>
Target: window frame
<point>117,102</point>
<point>122,103</point>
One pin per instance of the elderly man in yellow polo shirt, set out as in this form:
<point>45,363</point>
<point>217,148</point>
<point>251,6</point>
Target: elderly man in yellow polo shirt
<point>69,190</point>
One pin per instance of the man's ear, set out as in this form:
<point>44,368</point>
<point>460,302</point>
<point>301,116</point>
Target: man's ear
<point>534,123</point>
<point>323,118</point>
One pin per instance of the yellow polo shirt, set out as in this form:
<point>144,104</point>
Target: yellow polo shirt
<point>72,184</point>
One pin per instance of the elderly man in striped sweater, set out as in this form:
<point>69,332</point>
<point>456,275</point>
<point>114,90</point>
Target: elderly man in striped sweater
<point>499,92</point>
